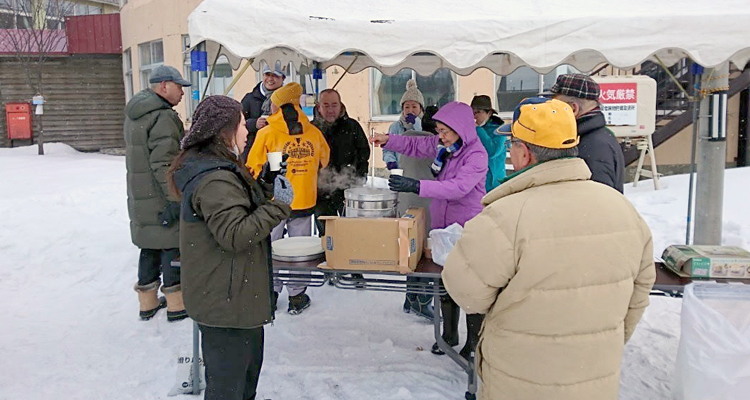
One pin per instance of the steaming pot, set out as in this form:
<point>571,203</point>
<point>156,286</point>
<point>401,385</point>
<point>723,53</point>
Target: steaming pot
<point>367,202</point>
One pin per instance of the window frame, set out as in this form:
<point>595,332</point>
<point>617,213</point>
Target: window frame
<point>127,66</point>
<point>395,117</point>
<point>143,68</point>
<point>559,70</point>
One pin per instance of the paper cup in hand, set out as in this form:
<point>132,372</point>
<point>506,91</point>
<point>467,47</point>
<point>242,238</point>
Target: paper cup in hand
<point>274,160</point>
<point>399,172</point>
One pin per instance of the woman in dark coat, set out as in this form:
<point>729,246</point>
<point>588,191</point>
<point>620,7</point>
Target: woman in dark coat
<point>226,220</point>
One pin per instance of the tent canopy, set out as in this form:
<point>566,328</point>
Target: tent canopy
<point>500,35</point>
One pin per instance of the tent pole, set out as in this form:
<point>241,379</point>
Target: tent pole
<point>211,73</point>
<point>236,78</point>
<point>345,71</point>
<point>695,79</point>
<point>712,154</point>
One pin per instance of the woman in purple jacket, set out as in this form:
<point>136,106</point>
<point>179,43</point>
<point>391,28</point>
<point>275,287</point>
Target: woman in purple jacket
<point>460,166</point>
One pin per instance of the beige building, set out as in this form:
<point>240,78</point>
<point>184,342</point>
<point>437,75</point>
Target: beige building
<point>155,32</point>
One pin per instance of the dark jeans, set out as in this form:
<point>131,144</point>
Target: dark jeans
<point>233,358</point>
<point>154,262</point>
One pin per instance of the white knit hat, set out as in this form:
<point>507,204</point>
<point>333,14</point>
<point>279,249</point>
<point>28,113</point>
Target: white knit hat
<point>412,93</point>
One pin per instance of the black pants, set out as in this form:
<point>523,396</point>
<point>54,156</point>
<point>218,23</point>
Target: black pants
<point>233,358</point>
<point>154,262</point>
<point>328,205</point>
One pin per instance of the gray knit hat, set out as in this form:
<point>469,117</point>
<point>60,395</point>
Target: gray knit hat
<point>412,93</point>
<point>210,117</point>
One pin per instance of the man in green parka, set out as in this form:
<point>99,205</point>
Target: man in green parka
<point>153,131</point>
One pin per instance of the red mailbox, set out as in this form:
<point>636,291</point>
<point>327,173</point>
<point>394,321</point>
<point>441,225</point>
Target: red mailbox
<point>18,119</point>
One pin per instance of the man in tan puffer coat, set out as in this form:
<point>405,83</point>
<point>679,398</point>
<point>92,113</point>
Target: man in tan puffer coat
<point>561,265</point>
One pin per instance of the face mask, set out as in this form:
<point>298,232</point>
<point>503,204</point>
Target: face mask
<point>236,150</point>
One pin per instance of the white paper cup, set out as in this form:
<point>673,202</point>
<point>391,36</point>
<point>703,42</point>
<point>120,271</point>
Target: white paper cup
<point>399,172</point>
<point>274,160</point>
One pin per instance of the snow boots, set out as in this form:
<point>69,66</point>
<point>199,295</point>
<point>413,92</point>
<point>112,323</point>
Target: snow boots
<point>149,302</point>
<point>175,306</point>
<point>473,325</point>
<point>420,304</point>
<point>298,303</point>
<point>451,315</point>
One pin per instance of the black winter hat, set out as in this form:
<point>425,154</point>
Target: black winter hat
<point>210,117</point>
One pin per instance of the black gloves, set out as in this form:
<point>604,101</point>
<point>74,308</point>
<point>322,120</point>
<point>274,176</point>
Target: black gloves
<point>399,183</point>
<point>268,176</point>
<point>170,215</point>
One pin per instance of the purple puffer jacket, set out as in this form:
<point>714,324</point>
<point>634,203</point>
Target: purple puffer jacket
<point>457,193</point>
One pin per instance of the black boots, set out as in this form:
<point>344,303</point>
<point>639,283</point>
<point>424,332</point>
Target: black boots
<point>420,304</point>
<point>473,325</point>
<point>451,314</point>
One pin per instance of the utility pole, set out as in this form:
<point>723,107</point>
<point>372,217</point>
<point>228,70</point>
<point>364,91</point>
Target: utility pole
<point>712,155</point>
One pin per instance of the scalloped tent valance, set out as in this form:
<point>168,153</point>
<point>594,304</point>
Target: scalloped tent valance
<point>500,35</point>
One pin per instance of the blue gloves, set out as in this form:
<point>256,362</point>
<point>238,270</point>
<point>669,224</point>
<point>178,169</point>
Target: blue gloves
<point>282,189</point>
<point>410,118</point>
<point>399,183</point>
<point>391,165</point>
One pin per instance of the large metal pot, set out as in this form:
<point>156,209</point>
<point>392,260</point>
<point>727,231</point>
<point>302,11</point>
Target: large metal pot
<point>365,202</point>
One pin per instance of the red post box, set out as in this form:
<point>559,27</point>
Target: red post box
<point>18,120</point>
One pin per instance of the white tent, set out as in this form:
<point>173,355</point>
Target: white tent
<point>500,35</point>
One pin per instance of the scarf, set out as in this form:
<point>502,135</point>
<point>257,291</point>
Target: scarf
<point>442,154</point>
<point>265,108</point>
<point>320,122</point>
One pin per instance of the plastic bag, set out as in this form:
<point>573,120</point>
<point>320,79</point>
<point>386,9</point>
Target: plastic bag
<point>713,358</point>
<point>443,241</point>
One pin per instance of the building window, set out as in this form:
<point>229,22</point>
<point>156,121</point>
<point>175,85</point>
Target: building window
<point>525,82</point>
<point>437,89</point>
<point>83,9</point>
<point>151,56</point>
<point>127,66</point>
<point>221,80</point>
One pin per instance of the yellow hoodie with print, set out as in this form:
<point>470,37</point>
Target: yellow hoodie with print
<point>307,152</point>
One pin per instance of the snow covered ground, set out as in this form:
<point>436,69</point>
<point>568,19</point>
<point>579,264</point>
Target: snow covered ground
<point>69,320</point>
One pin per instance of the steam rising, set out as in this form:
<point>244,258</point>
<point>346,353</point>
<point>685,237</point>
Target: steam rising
<point>329,180</point>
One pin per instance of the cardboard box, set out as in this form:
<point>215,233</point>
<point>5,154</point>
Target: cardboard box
<point>375,244</point>
<point>708,261</point>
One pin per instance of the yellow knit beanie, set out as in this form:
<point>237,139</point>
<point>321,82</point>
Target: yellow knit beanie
<point>287,94</point>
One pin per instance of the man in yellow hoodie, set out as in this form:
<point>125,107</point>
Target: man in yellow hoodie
<point>290,132</point>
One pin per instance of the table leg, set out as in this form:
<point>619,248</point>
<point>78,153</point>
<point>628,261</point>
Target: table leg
<point>453,354</point>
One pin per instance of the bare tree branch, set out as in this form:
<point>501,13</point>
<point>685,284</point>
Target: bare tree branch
<point>39,33</point>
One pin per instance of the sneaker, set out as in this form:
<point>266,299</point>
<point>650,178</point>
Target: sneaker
<point>298,303</point>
